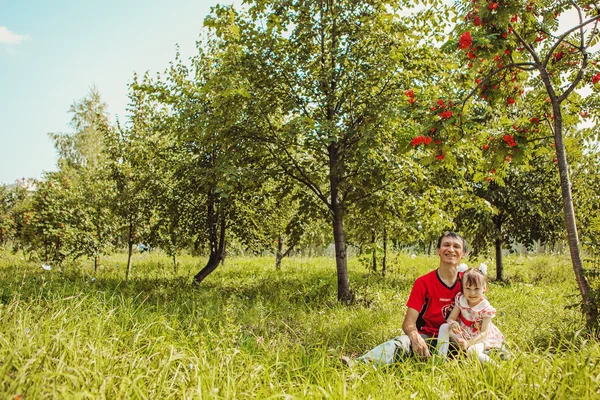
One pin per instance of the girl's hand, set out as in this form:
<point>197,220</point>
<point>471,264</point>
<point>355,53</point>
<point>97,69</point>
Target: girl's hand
<point>463,343</point>
<point>455,327</point>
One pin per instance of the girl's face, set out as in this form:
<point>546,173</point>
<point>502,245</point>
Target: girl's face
<point>473,293</point>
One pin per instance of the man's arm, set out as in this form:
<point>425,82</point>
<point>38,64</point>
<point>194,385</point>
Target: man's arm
<point>409,326</point>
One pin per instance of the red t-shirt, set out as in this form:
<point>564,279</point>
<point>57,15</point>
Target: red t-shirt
<point>434,301</point>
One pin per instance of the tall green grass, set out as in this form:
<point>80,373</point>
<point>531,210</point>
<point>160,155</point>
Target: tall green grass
<point>250,331</point>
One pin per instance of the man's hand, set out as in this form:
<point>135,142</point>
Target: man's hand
<point>419,346</point>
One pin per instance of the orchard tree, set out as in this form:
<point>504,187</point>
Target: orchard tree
<point>49,219</point>
<point>84,146</point>
<point>505,43</point>
<point>292,219</point>
<point>172,214</point>
<point>125,147</point>
<point>199,147</point>
<point>7,223</point>
<point>514,187</point>
<point>525,210</point>
<point>83,169</point>
<point>12,199</point>
<point>326,79</point>
<point>93,193</point>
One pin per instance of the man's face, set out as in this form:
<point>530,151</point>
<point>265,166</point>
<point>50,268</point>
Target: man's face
<point>451,250</point>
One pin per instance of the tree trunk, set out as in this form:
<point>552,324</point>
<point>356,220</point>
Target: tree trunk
<point>96,262</point>
<point>224,255</point>
<point>497,220</point>
<point>278,253</point>
<point>373,255</point>
<point>590,308</point>
<point>280,256</point>
<point>499,266</point>
<point>213,262</point>
<point>129,257</point>
<point>129,248</point>
<point>343,281</point>
<point>216,226</point>
<point>344,294</point>
<point>384,261</point>
<point>175,263</point>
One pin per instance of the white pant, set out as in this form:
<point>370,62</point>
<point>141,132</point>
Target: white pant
<point>388,352</point>
<point>444,336</point>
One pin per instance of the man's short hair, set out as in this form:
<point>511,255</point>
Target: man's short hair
<point>454,235</point>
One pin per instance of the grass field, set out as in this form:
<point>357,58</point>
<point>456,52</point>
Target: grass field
<point>250,331</point>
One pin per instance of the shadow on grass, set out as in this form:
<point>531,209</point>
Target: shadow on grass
<point>298,305</point>
<point>312,290</point>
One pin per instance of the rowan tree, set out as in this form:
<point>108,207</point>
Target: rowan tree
<point>511,47</point>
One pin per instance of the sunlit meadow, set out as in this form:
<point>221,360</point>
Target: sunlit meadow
<point>250,331</point>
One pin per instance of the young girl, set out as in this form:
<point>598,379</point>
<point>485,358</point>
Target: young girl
<point>470,322</point>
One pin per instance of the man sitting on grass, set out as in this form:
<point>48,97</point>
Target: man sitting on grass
<point>430,302</point>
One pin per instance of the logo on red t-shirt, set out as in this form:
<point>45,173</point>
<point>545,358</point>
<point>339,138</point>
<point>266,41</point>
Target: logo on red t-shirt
<point>447,309</point>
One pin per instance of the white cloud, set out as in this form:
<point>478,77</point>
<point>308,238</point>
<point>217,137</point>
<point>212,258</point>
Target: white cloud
<point>8,37</point>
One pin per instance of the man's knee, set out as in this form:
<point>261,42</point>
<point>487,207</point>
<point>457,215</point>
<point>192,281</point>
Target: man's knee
<point>403,346</point>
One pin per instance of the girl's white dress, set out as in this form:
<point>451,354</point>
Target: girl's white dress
<point>470,319</point>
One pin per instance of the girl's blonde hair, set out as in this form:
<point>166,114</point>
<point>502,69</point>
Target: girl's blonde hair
<point>473,276</point>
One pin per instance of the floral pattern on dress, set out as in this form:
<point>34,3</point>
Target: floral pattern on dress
<point>474,316</point>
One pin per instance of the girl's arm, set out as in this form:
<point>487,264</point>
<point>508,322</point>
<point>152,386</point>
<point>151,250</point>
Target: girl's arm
<point>454,326</point>
<point>483,333</point>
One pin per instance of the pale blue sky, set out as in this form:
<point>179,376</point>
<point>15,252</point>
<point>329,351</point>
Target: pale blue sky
<point>52,52</point>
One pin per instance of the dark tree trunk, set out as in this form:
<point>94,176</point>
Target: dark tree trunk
<point>175,263</point>
<point>384,261</point>
<point>213,262</point>
<point>590,307</point>
<point>96,263</point>
<point>373,254</point>
<point>343,281</point>
<point>280,256</point>
<point>224,256</point>
<point>499,265</point>
<point>130,241</point>
<point>129,258</point>
<point>216,226</point>
<point>279,253</point>
<point>344,294</point>
<point>497,220</point>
